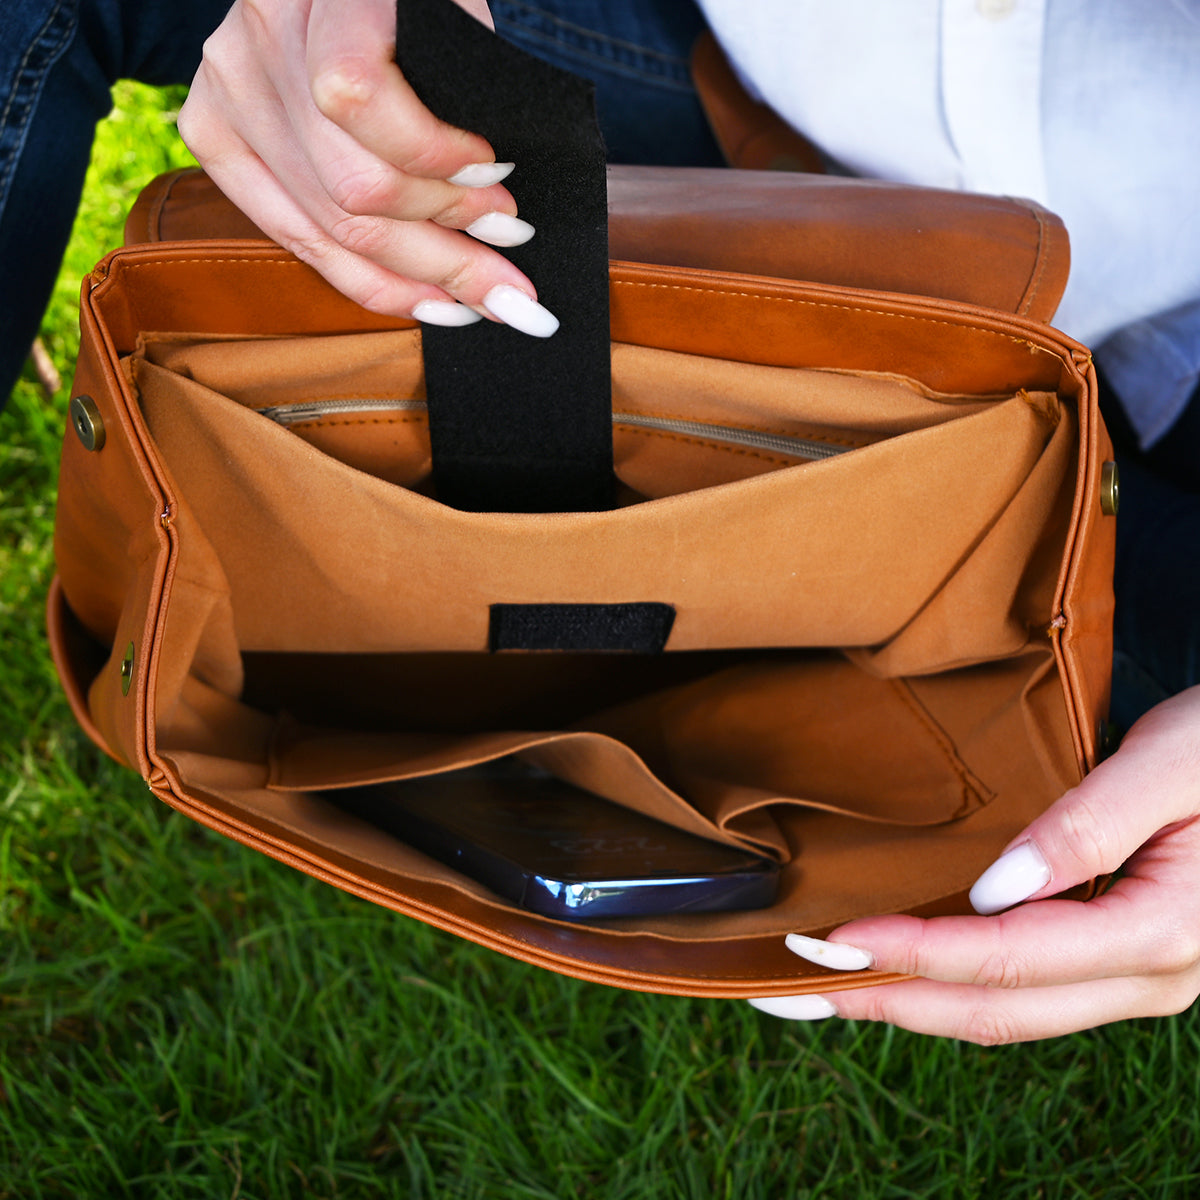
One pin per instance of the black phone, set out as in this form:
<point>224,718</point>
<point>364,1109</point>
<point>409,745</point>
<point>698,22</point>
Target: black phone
<point>560,851</point>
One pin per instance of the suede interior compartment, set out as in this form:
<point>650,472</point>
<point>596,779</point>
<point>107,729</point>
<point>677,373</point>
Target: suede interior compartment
<point>838,867</point>
<point>687,741</point>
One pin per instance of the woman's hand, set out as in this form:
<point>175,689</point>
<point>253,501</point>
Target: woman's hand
<point>301,117</point>
<point>1053,966</point>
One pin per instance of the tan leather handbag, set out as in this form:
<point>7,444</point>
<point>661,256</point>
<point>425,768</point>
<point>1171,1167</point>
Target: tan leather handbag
<point>877,502</point>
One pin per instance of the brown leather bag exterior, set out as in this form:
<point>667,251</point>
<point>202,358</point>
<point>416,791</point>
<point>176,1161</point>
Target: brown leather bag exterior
<point>152,649</point>
<point>993,251</point>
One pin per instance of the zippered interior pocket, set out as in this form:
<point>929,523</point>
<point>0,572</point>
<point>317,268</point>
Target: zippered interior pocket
<point>680,423</point>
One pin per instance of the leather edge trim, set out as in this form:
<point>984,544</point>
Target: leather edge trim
<point>1051,265</point>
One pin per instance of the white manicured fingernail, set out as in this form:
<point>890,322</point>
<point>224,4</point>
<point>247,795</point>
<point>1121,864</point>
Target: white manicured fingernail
<point>499,229</point>
<point>795,1008</point>
<point>1013,877</point>
<point>444,312</point>
<point>481,175</point>
<point>513,307</point>
<point>835,955</point>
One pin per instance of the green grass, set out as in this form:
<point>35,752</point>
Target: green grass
<point>182,1017</point>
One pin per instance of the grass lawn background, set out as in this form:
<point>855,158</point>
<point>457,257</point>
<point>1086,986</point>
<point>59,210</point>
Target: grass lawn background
<point>183,1017</point>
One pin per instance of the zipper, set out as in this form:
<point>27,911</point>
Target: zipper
<point>795,447</point>
<point>314,410</point>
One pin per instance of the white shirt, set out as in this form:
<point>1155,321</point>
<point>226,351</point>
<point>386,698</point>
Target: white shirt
<point>1090,107</point>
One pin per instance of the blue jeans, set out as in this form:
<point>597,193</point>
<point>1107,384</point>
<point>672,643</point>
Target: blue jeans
<point>59,58</point>
<point>58,62</point>
<point>636,53</point>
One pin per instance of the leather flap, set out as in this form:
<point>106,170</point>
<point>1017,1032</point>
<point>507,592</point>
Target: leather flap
<point>991,251</point>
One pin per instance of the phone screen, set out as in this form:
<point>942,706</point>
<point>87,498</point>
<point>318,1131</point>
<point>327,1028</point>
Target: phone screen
<point>552,848</point>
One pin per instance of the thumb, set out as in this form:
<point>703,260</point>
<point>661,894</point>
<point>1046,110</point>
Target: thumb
<point>1148,784</point>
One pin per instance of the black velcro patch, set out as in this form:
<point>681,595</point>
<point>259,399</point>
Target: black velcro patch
<point>639,628</point>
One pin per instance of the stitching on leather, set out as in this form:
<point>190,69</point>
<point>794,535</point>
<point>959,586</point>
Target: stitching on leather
<point>1041,262</point>
<point>153,227</point>
<point>154,220</point>
<point>257,263</point>
<point>670,287</point>
<point>854,308</point>
<point>325,423</point>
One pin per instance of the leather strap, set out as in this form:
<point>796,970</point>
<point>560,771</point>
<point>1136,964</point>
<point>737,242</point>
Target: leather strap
<point>517,423</point>
<point>751,135</point>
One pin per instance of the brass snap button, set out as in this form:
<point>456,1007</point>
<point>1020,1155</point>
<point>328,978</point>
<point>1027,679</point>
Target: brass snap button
<point>1110,489</point>
<point>87,422</point>
<point>127,670</point>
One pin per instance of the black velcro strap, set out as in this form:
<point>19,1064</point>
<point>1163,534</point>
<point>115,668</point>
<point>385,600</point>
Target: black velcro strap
<point>640,628</point>
<point>517,423</point>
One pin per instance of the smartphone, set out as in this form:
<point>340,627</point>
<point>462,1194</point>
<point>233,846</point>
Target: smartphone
<point>555,849</point>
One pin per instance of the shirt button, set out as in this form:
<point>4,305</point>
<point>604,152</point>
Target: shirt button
<point>995,10</point>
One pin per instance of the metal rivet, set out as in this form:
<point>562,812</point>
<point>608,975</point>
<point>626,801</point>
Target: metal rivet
<point>1110,489</point>
<point>127,670</point>
<point>87,422</point>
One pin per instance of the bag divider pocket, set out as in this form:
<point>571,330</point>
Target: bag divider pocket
<point>844,552</point>
<point>726,755</point>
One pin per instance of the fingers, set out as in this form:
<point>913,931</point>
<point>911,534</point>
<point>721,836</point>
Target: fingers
<point>1150,784</point>
<point>1053,966</point>
<point>1050,968</point>
<point>366,282</point>
<point>986,1016</point>
<point>1147,925</point>
<point>302,118</point>
<point>1125,933</point>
